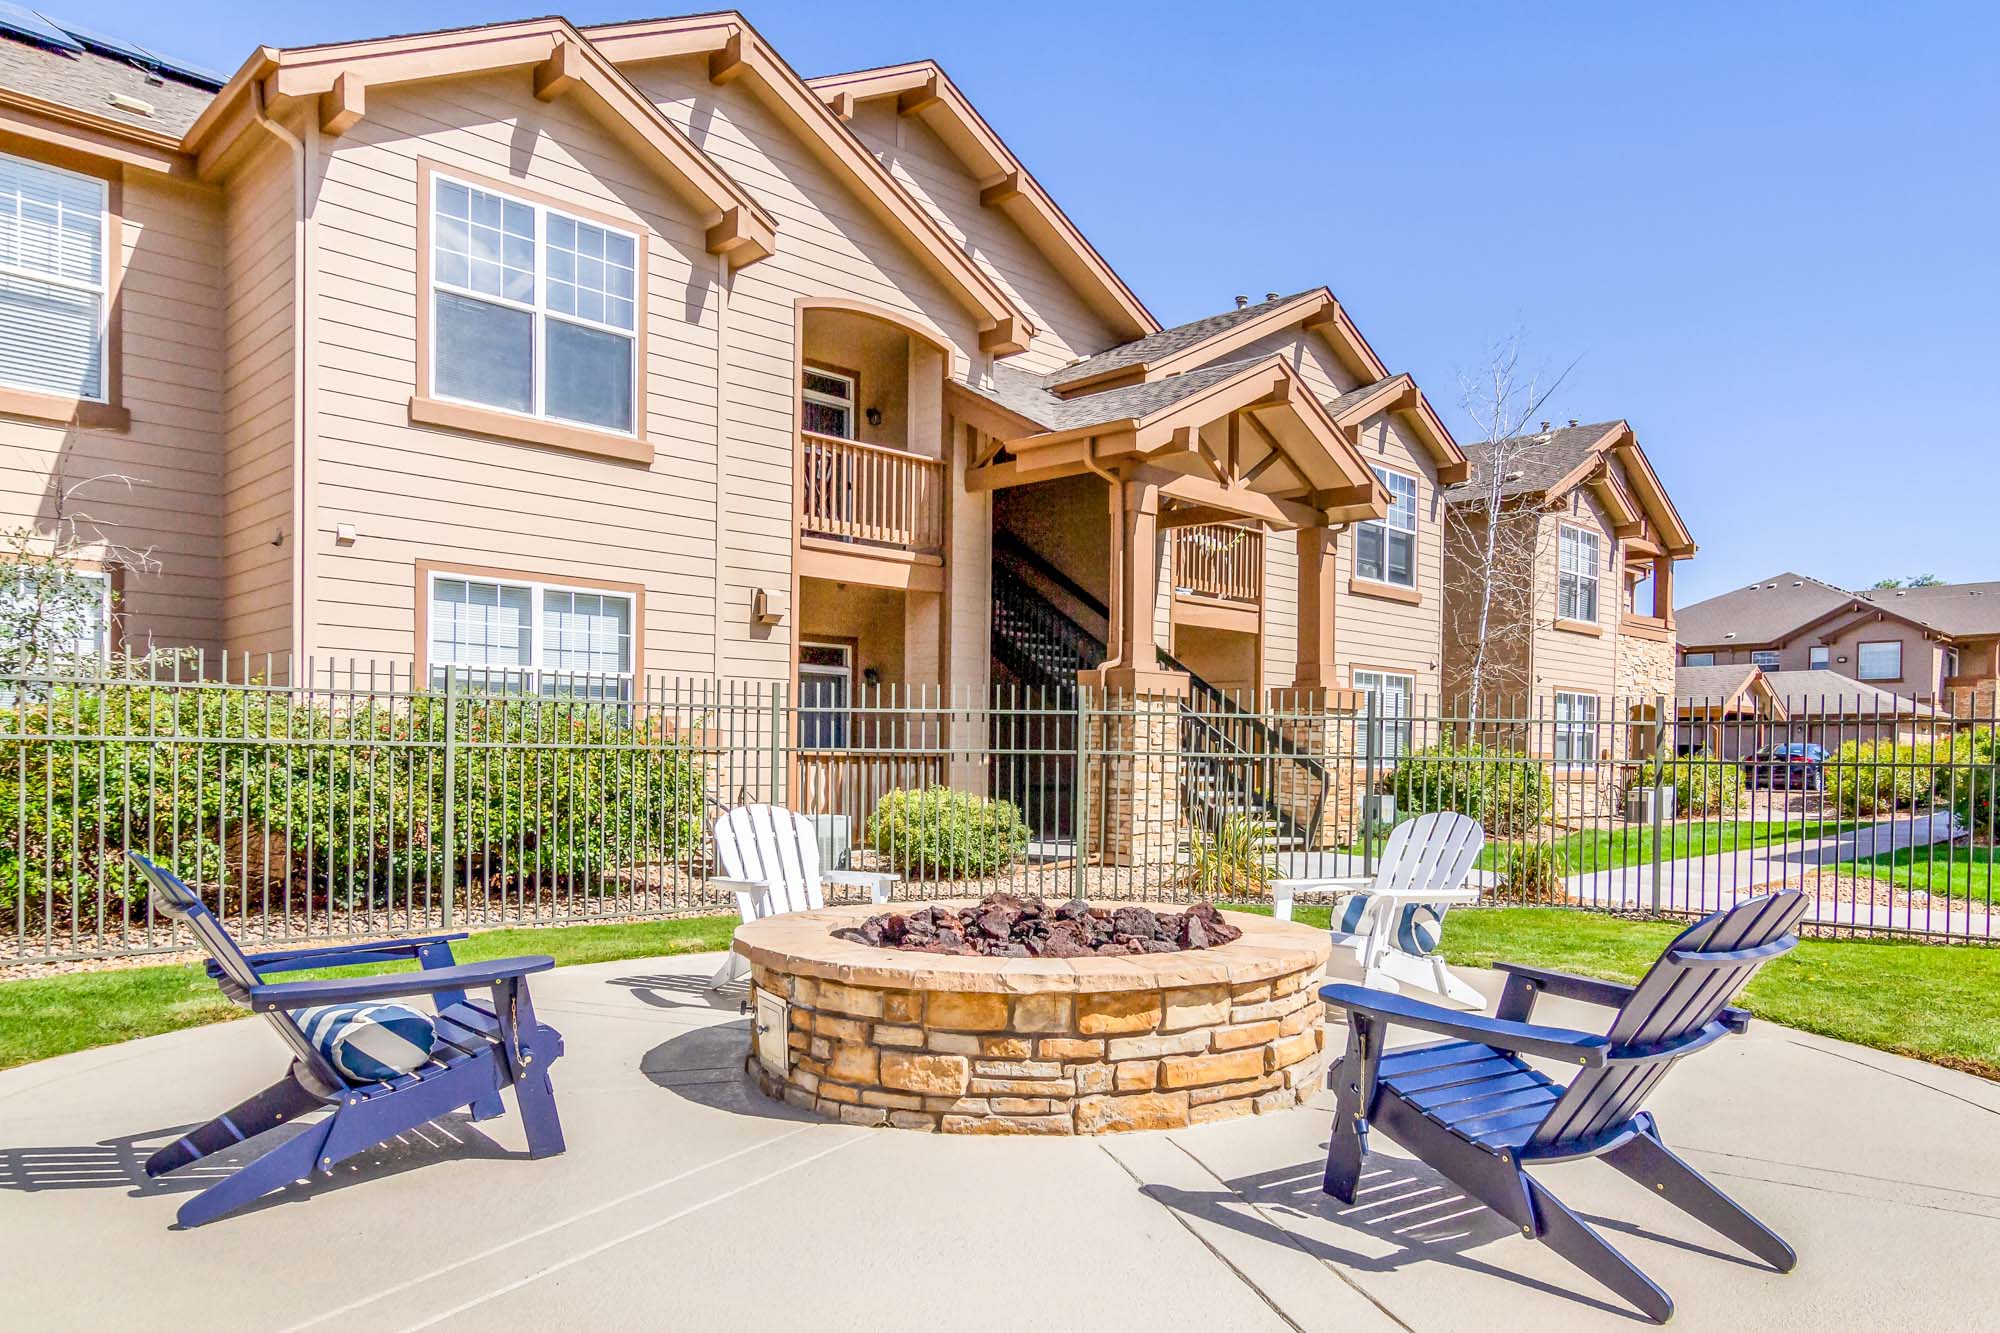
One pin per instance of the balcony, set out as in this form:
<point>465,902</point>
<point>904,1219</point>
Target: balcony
<point>1219,562</point>
<point>870,495</point>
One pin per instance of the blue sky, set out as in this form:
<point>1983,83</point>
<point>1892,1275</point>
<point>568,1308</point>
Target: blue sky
<point>1764,233</point>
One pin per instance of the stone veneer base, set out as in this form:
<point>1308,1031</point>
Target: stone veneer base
<point>970,1045</point>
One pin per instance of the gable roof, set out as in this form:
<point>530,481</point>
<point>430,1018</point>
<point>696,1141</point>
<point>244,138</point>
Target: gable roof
<point>736,50</point>
<point>1165,345</point>
<point>87,78</point>
<point>1765,612</point>
<point>1816,694</point>
<point>337,75</point>
<point>1552,463</point>
<point>1721,690</point>
<point>1961,610</point>
<point>922,89</point>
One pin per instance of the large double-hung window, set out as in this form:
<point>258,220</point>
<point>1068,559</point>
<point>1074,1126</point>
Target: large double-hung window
<point>1385,549</point>
<point>1576,574</point>
<point>534,311</point>
<point>52,280</point>
<point>530,638</point>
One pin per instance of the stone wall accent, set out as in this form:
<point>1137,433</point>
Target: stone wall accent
<point>1035,1046</point>
<point>1331,734</point>
<point>1132,768</point>
<point>1645,669</point>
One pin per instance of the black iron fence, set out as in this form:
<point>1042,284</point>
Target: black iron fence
<point>354,800</point>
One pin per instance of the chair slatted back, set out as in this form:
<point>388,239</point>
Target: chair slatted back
<point>1433,851</point>
<point>238,972</point>
<point>1682,993</point>
<point>771,845</point>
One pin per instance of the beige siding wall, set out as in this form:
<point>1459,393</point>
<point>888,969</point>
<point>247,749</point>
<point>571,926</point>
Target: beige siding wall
<point>153,489</point>
<point>920,162</point>
<point>259,546</point>
<point>1923,665</point>
<point>1565,659</point>
<point>1374,634</point>
<point>1507,628</point>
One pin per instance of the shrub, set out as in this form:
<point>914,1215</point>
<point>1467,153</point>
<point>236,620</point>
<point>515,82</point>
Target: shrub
<point>1974,788</point>
<point>944,833</point>
<point>1232,862</point>
<point>1504,790</point>
<point>1530,873</point>
<point>1878,777</point>
<point>1703,785</point>
<point>264,798</point>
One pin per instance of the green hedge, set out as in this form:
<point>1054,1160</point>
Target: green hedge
<point>1880,777</point>
<point>1974,788</point>
<point>943,833</point>
<point>318,805</point>
<point>1531,873</point>
<point>1504,790</point>
<point>1702,785</point>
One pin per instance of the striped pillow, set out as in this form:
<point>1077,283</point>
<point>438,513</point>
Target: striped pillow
<point>370,1042</point>
<point>1417,925</point>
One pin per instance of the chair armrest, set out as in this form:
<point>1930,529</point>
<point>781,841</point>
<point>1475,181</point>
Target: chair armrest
<point>344,990</point>
<point>344,955</point>
<point>1610,994</point>
<point>1415,894</point>
<point>877,882</point>
<point>1390,1010</point>
<point>740,885</point>
<point>1315,883</point>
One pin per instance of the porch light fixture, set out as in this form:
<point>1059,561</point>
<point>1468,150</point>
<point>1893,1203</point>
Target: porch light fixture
<point>874,415</point>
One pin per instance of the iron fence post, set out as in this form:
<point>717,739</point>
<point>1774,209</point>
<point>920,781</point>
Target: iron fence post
<point>450,792</point>
<point>777,775</point>
<point>1080,796</point>
<point>1370,760</point>
<point>1660,770</point>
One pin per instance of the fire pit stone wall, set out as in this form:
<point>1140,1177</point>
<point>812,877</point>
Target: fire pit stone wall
<point>968,1045</point>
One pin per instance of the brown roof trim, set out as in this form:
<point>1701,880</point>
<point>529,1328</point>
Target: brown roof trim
<point>336,78</point>
<point>1399,393</point>
<point>29,117</point>
<point>735,50</point>
<point>922,88</point>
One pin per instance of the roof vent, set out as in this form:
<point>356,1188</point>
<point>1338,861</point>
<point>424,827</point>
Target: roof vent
<point>1730,635</point>
<point>1270,296</point>
<point>1572,423</point>
<point>1242,301</point>
<point>1899,592</point>
<point>1545,428</point>
<point>136,106</point>
<point>1512,476</point>
<point>1798,583</point>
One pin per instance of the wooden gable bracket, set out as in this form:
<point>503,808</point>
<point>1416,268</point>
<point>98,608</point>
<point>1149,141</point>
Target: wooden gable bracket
<point>1005,337</point>
<point>560,73</point>
<point>342,106</point>
<point>921,98</point>
<point>841,104</point>
<point>728,64</point>
<point>1002,189</point>
<point>739,237</point>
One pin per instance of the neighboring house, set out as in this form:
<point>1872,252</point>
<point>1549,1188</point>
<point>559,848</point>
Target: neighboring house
<point>1829,709</point>
<point>1926,643</point>
<point>1724,711</point>
<point>562,355</point>
<point>1583,616</point>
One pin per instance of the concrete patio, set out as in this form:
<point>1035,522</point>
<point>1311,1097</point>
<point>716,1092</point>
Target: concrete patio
<point>687,1200</point>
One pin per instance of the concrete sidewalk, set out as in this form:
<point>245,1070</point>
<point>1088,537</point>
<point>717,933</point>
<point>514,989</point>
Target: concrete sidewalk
<point>687,1200</point>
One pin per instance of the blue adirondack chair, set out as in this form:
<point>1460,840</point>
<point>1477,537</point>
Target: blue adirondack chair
<point>1472,1109</point>
<point>480,1048</point>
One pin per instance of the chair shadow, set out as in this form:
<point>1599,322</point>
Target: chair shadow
<point>670,991</point>
<point>120,1163</point>
<point>706,1066</point>
<point>1404,1213</point>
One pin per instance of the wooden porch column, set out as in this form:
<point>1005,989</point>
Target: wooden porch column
<point>1134,666</point>
<point>1663,587</point>
<point>1315,609</point>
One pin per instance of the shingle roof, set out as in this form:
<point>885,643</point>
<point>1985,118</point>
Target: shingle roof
<point>1340,403</point>
<point>1810,694</point>
<point>1022,393</point>
<point>1166,342</point>
<point>1711,684</point>
<point>1958,609</point>
<point>1534,462</point>
<point>1764,612</point>
<point>86,80</point>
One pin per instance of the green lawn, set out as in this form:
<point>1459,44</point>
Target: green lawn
<point>1931,1001</point>
<point>44,1016</point>
<point>1954,872</point>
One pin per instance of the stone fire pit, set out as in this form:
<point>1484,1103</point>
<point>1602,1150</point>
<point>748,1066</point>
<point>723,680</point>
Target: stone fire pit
<point>978,1045</point>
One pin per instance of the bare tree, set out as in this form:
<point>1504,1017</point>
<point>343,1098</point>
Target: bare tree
<point>1496,538</point>
<point>50,617</point>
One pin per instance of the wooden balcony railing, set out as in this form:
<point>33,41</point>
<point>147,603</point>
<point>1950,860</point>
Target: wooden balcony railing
<point>867,493</point>
<point>1221,561</point>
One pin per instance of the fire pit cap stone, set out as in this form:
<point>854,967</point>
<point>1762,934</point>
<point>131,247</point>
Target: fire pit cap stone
<point>802,944</point>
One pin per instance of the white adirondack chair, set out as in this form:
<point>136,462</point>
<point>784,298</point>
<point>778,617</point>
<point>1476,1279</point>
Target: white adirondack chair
<point>770,857</point>
<point>1386,935</point>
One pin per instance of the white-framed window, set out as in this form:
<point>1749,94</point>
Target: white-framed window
<point>530,638</point>
<point>828,402</point>
<point>1879,661</point>
<point>1385,549</point>
<point>533,311</point>
<point>826,692</point>
<point>1698,659</point>
<point>1391,734</point>
<point>69,609</point>
<point>1767,658</point>
<point>1950,663</point>
<point>52,279</point>
<point>1575,727</point>
<point>1576,574</point>
<point>1818,657</point>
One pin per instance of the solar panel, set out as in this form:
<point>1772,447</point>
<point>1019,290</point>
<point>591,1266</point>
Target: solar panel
<point>26,23</point>
<point>124,50</point>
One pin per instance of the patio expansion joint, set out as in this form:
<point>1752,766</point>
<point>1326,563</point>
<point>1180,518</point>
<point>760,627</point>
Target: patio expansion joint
<point>1818,1049</point>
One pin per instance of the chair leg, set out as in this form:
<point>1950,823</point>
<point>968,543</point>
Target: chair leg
<point>488,1108</point>
<point>1346,1145</point>
<point>1575,1240</point>
<point>1645,1159</point>
<point>294,1159</point>
<point>282,1101</point>
<point>732,967</point>
<point>538,1112</point>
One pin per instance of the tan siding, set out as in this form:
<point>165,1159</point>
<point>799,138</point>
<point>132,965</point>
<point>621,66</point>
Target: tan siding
<point>1372,633</point>
<point>923,165</point>
<point>1565,660</point>
<point>258,545</point>
<point>436,495</point>
<point>154,489</point>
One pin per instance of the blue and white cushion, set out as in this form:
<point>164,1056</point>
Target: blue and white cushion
<point>370,1042</point>
<point>1418,925</point>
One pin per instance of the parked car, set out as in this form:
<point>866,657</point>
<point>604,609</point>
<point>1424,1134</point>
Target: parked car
<point>1799,764</point>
